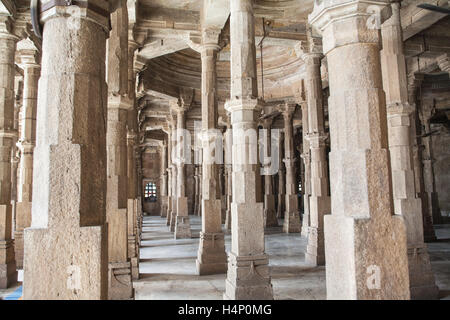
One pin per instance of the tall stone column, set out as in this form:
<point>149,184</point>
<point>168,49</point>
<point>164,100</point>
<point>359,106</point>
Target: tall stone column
<point>421,277</point>
<point>222,188</point>
<point>414,83</point>
<point>164,179</point>
<point>362,219</point>
<point>211,258</point>
<point>319,199</point>
<point>228,146</point>
<point>169,174</point>
<point>270,217</point>
<point>196,195</point>
<point>427,160</point>
<point>132,181</point>
<point>119,104</point>
<point>200,189</point>
<point>182,225</point>
<point>306,157</point>
<point>8,40</point>
<point>281,180</point>
<point>66,246</point>
<point>30,63</point>
<point>248,265</point>
<point>292,222</point>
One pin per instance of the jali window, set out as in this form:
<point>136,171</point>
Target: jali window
<point>150,192</point>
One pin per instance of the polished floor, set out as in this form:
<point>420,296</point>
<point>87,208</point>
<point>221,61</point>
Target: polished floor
<point>168,270</point>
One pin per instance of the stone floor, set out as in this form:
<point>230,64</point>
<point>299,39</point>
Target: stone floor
<point>168,269</point>
<point>168,266</point>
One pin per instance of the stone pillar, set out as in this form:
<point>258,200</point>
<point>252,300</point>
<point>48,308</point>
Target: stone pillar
<point>248,265</point>
<point>319,199</point>
<point>307,172</point>
<point>281,180</point>
<point>169,174</point>
<point>182,224</point>
<point>174,177</point>
<point>362,219</point>
<point>421,277</point>
<point>211,258</point>
<point>196,186</point>
<point>427,160</point>
<point>228,145</point>
<point>8,274</point>
<point>292,222</point>
<point>119,104</point>
<point>200,189</point>
<point>163,185</point>
<point>30,63</point>
<point>66,246</point>
<point>132,181</point>
<point>414,82</point>
<point>270,217</point>
<point>222,187</point>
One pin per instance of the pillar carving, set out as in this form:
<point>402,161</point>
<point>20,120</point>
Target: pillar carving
<point>163,185</point>
<point>292,222</point>
<point>69,189</point>
<point>406,204</point>
<point>211,258</point>
<point>248,265</point>
<point>306,157</point>
<point>363,218</point>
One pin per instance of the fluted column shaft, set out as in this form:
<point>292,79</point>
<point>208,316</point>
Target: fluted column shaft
<point>281,180</point>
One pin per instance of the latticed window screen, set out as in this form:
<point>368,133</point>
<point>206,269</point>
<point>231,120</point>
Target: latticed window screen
<point>150,192</point>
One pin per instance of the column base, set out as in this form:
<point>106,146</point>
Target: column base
<point>8,273</point>
<point>248,278</point>
<point>315,250</point>
<point>66,263</point>
<point>356,267</point>
<point>120,286</point>
<point>169,210</point>
<point>211,258</point>
<point>182,228</point>
<point>173,217</point>
<point>421,276</point>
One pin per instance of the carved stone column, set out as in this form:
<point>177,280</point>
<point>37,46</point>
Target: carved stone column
<point>172,146</point>
<point>306,157</point>
<point>362,219</point>
<point>406,204</point>
<point>211,258</point>
<point>196,187</point>
<point>270,217</point>
<point>8,40</point>
<point>164,179</point>
<point>292,222</point>
<point>427,160</point>
<point>169,174</point>
<point>414,82</point>
<point>228,147</point>
<point>119,104</point>
<point>182,224</point>
<point>30,63</point>
<point>281,180</point>
<point>132,181</point>
<point>319,200</point>
<point>66,246</point>
<point>248,266</point>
